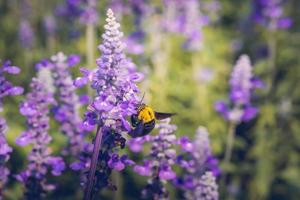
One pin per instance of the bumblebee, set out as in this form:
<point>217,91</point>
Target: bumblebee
<point>144,121</point>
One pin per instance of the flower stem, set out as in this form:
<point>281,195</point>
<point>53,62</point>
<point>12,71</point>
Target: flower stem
<point>228,152</point>
<point>119,183</point>
<point>271,61</point>
<point>90,44</point>
<point>94,161</point>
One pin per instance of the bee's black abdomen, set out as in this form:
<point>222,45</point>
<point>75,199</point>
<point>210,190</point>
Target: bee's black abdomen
<point>148,127</point>
<point>142,129</point>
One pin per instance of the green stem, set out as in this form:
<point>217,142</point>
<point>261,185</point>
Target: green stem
<point>119,183</point>
<point>271,40</point>
<point>90,45</point>
<point>228,154</point>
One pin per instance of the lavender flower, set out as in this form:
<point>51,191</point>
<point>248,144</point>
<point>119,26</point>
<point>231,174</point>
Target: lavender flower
<point>89,14</point>
<point>26,35</point>
<point>36,108</point>
<point>200,181</point>
<point>158,164</point>
<point>242,84</point>
<point>50,25</point>
<point>70,9</point>
<point>66,109</point>
<point>6,89</point>
<point>84,10</point>
<point>269,13</point>
<point>205,188</point>
<point>115,100</point>
<point>185,17</point>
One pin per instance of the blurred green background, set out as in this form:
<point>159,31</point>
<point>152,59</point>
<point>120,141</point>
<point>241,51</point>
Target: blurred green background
<point>266,161</point>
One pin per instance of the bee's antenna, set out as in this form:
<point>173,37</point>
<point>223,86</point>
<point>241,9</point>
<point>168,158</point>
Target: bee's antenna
<point>142,98</point>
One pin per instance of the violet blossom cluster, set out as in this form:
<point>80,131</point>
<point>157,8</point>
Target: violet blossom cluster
<point>36,109</point>
<point>50,25</point>
<point>115,99</point>
<point>270,13</point>
<point>84,10</point>
<point>25,34</point>
<point>186,18</point>
<point>242,84</point>
<point>6,89</point>
<point>159,162</point>
<point>66,111</point>
<point>195,159</point>
<point>199,181</point>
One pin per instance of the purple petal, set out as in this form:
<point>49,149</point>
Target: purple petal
<point>136,145</point>
<point>221,108</point>
<point>73,60</point>
<point>12,70</point>
<point>185,144</point>
<point>24,139</point>
<point>143,170</point>
<point>84,99</point>
<point>57,165</point>
<point>80,81</point>
<point>5,149</point>
<point>167,174</point>
<point>16,91</point>
<point>26,110</point>
<point>249,113</point>
<point>284,23</point>
<point>77,166</point>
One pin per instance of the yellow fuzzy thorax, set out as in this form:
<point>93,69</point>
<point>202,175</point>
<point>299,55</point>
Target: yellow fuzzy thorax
<point>146,114</point>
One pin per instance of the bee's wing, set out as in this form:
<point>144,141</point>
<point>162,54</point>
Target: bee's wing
<point>138,131</point>
<point>160,115</point>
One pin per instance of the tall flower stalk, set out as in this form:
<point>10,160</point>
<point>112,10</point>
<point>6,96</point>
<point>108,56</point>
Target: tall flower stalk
<point>115,100</point>
<point>159,162</point>
<point>89,18</point>
<point>202,168</point>
<point>6,89</point>
<point>66,111</point>
<point>242,84</point>
<point>270,15</point>
<point>36,109</point>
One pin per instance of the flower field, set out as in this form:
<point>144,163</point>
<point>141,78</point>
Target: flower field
<point>154,100</point>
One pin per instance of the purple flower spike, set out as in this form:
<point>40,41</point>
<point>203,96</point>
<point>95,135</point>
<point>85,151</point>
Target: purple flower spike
<point>40,159</point>
<point>270,14</point>
<point>242,85</point>
<point>115,100</point>
<point>185,144</point>
<point>26,35</point>
<point>158,164</point>
<point>187,19</point>
<point>200,180</point>
<point>205,188</point>
<point>6,89</point>
<point>66,111</point>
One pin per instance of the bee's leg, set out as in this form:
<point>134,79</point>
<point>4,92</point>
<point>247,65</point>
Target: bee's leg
<point>134,120</point>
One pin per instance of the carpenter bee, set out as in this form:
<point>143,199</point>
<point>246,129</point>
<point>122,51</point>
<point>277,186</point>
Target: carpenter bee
<point>144,121</point>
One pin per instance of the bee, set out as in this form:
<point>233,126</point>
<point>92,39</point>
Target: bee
<point>144,121</point>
